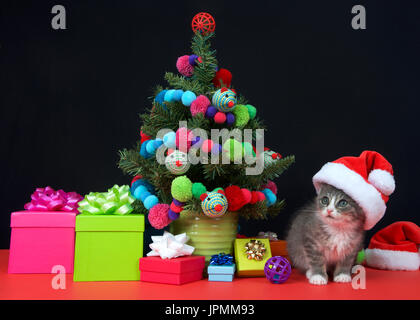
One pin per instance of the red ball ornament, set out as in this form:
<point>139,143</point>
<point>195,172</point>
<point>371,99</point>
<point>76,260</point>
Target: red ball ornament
<point>207,145</point>
<point>254,197</point>
<point>220,117</point>
<point>203,23</point>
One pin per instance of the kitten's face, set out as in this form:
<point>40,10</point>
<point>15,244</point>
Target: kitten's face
<point>336,208</point>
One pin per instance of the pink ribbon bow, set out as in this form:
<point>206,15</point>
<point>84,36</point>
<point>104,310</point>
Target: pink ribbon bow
<point>47,199</point>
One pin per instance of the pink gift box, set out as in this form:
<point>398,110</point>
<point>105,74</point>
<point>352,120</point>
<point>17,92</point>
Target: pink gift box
<point>172,271</point>
<point>41,240</point>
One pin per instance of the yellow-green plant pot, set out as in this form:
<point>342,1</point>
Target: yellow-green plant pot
<point>208,235</point>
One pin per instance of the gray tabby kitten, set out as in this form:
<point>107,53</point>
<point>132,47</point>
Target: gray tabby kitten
<point>326,235</point>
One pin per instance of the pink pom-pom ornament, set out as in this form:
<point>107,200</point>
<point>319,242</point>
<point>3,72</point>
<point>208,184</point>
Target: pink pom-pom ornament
<point>277,269</point>
<point>270,185</point>
<point>184,67</point>
<point>199,105</point>
<point>183,139</point>
<point>158,216</point>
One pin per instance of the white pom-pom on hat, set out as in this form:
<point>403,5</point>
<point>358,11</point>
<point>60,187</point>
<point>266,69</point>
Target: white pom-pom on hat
<point>383,181</point>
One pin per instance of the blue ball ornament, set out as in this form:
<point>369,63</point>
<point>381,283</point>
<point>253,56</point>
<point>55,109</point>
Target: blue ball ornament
<point>157,143</point>
<point>177,95</point>
<point>188,97</point>
<point>139,191</point>
<point>160,96</point>
<point>150,147</point>
<point>143,150</point>
<point>270,197</point>
<point>169,95</point>
<point>144,195</point>
<point>148,185</point>
<point>134,186</point>
<point>169,140</point>
<point>150,202</point>
<point>144,183</point>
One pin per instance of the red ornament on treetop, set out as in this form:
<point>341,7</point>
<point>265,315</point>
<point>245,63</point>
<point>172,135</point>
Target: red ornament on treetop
<point>204,23</point>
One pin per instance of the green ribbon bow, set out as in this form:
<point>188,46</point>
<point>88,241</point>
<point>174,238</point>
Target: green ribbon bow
<point>117,200</point>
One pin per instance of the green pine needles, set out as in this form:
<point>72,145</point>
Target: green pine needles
<point>211,175</point>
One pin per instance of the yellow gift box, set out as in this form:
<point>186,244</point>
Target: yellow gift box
<point>246,267</point>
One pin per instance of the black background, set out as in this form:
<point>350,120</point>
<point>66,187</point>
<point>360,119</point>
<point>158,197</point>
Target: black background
<point>70,98</point>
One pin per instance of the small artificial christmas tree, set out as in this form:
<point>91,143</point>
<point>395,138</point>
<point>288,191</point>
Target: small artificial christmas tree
<point>168,185</point>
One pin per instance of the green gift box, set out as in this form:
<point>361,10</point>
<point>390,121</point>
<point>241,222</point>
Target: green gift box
<point>108,247</point>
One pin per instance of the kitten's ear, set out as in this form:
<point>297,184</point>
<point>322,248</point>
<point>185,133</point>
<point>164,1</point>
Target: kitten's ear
<point>323,188</point>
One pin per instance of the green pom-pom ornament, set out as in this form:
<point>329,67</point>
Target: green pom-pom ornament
<point>360,257</point>
<point>234,149</point>
<point>252,111</point>
<point>181,189</point>
<point>248,149</point>
<point>241,115</point>
<point>198,189</point>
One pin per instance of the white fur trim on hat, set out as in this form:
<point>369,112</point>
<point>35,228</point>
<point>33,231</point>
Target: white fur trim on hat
<point>392,260</point>
<point>382,180</point>
<point>353,184</point>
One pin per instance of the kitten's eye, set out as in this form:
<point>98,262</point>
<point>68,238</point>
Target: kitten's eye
<point>325,201</point>
<point>342,203</point>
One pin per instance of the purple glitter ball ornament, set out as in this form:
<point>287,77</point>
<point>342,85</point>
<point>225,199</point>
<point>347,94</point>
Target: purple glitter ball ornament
<point>191,59</point>
<point>211,111</point>
<point>173,215</point>
<point>230,118</point>
<point>277,269</point>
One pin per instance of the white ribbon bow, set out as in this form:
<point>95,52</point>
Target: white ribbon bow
<point>169,246</point>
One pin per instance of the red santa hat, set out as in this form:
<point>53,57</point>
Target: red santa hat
<point>368,179</point>
<point>395,247</point>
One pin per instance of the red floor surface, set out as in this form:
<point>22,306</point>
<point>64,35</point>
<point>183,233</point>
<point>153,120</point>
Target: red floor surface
<point>379,285</point>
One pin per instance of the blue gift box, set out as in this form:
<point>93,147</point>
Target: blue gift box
<point>221,273</point>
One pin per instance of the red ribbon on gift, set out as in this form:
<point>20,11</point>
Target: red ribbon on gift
<point>47,199</point>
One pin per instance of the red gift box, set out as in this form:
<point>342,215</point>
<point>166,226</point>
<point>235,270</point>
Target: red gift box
<point>171,271</point>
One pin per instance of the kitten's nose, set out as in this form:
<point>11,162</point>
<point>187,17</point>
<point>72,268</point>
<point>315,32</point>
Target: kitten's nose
<point>329,211</point>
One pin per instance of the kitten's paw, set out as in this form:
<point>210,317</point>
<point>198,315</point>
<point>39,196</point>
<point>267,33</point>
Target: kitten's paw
<point>308,274</point>
<point>318,279</point>
<point>342,277</point>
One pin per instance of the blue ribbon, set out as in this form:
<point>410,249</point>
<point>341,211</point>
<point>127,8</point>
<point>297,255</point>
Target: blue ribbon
<point>221,259</point>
